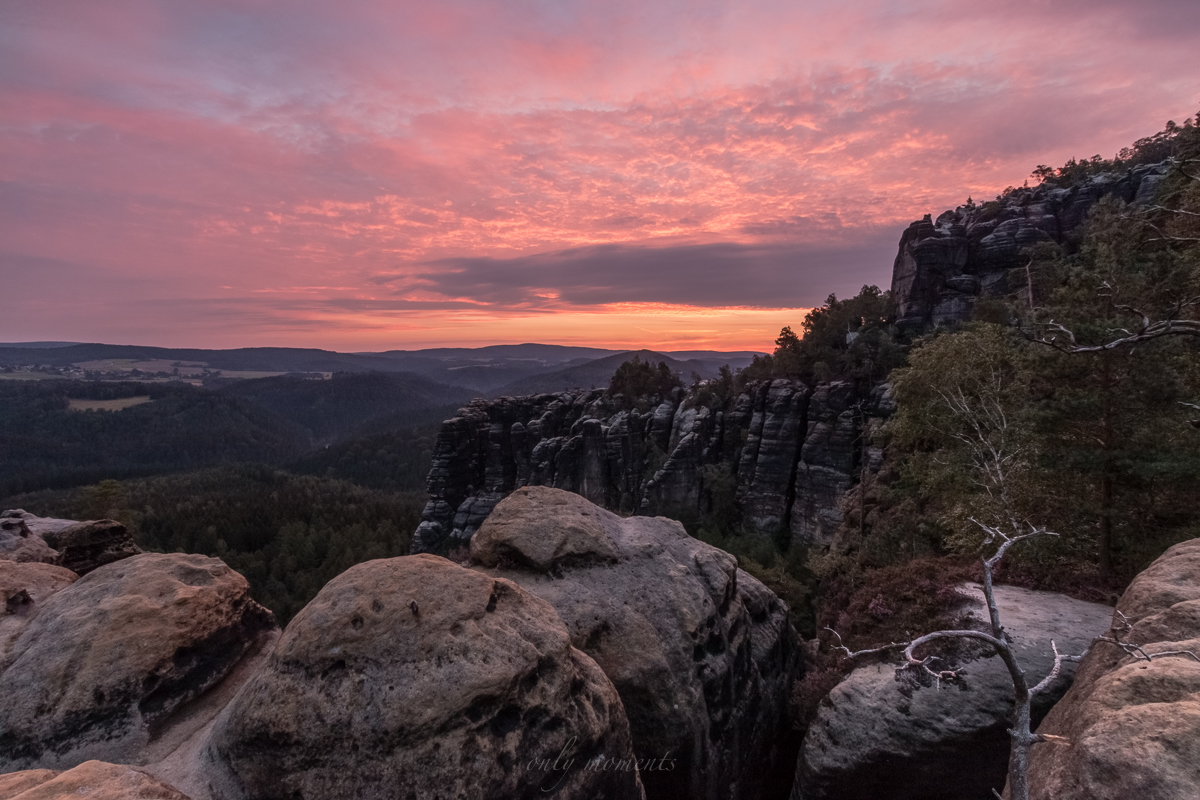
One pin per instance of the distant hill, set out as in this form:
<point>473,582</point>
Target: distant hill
<point>481,369</point>
<point>351,404</point>
<point>35,345</point>
<point>46,444</point>
<point>598,373</point>
<point>546,354</point>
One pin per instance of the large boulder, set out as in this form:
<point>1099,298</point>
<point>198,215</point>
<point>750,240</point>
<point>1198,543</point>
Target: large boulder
<point>702,654</point>
<point>95,780</point>
<point>875,736</point>
<point>1134,725</point>
<point>108,664</point>
<point>85,546</point>
<point>414,677</point>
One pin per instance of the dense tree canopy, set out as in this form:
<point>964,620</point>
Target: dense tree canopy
<point>642,379</point>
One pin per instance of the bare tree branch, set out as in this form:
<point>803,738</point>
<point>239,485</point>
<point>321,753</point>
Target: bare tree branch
<point>1059,659</point>
<point>1136,650</point>
<point>1063,340</point>
<point>1023,738</point>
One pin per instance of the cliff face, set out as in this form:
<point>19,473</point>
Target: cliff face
<point>944,266</point>
<point>791,451</point>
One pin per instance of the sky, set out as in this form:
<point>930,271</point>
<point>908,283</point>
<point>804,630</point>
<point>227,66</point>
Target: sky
<point>372,175</point>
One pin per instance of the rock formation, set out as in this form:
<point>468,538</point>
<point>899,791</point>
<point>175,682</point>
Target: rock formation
<point>102,667</point>
<point>95,780</point>
<point>701,653</point>
<point>78,546</point>
<point>85,546</point>
<point>1133,724</point>
<point>414,677</point>
<point>39,525</point>
<point>944,266</point>
<point>791,452</point>
<point>874,738</point>
<point>19,543</point>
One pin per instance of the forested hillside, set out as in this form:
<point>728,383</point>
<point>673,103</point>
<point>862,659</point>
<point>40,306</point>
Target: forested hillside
<point>351,403</point>
<point>47,444</point>
<point>288,534</point>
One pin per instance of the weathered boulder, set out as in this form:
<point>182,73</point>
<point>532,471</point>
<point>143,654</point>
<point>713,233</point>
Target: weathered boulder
<point>19,543</point>
<point>1133,724</point>
<point>701,653</point>
<point>24,588</point>
<point>876,737</point>
<point>107,664</point>
<point>91,779</point>
<point>414,677</point>
<point>85,546</point>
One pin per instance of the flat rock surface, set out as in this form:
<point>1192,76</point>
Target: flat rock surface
<point>702,654</point>
<point>38,525</point>
<point>414,677</point>
<point>95,780</point>
<point>876,737</point>
<point>106,663</point>
<point>1133,724</point>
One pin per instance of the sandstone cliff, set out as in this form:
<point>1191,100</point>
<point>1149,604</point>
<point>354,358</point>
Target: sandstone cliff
<point>791,451</point>
<point>945,265</point>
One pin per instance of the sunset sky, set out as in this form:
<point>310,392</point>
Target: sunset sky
<point>379,175</point>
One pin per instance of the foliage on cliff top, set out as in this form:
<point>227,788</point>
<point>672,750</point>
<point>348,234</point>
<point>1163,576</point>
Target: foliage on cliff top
<point>1172,141</point>
<point>287,534</point>
<point>850,339</point>
<point>636,379</point>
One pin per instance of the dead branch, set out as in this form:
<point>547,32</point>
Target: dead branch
<point>1124,629</point>
<point>857,653</point>
<point>1063,340</point>
<point>1023,738</point>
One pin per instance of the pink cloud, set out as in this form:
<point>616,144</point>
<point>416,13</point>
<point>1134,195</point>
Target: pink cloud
<point>163,151</point>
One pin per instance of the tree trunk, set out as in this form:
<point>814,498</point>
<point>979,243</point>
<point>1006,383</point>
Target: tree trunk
<point>1106,524</point>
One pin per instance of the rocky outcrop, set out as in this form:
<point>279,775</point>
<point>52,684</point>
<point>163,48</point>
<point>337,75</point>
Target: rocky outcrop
<point>85,546</point>
<point>788,452</point>
<point>107,666</point>
<point>78,546</point>
<point>92,779</point>
<point>414,677</point>
<point>701,653</point>
<point>19,543</point>
<point>874,736</point>
<point>36,524</point>
<point>944,266</point>
<point>1134,725</point>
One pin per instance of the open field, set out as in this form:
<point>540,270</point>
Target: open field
<point>107,405</point>
<point>29,376</point>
